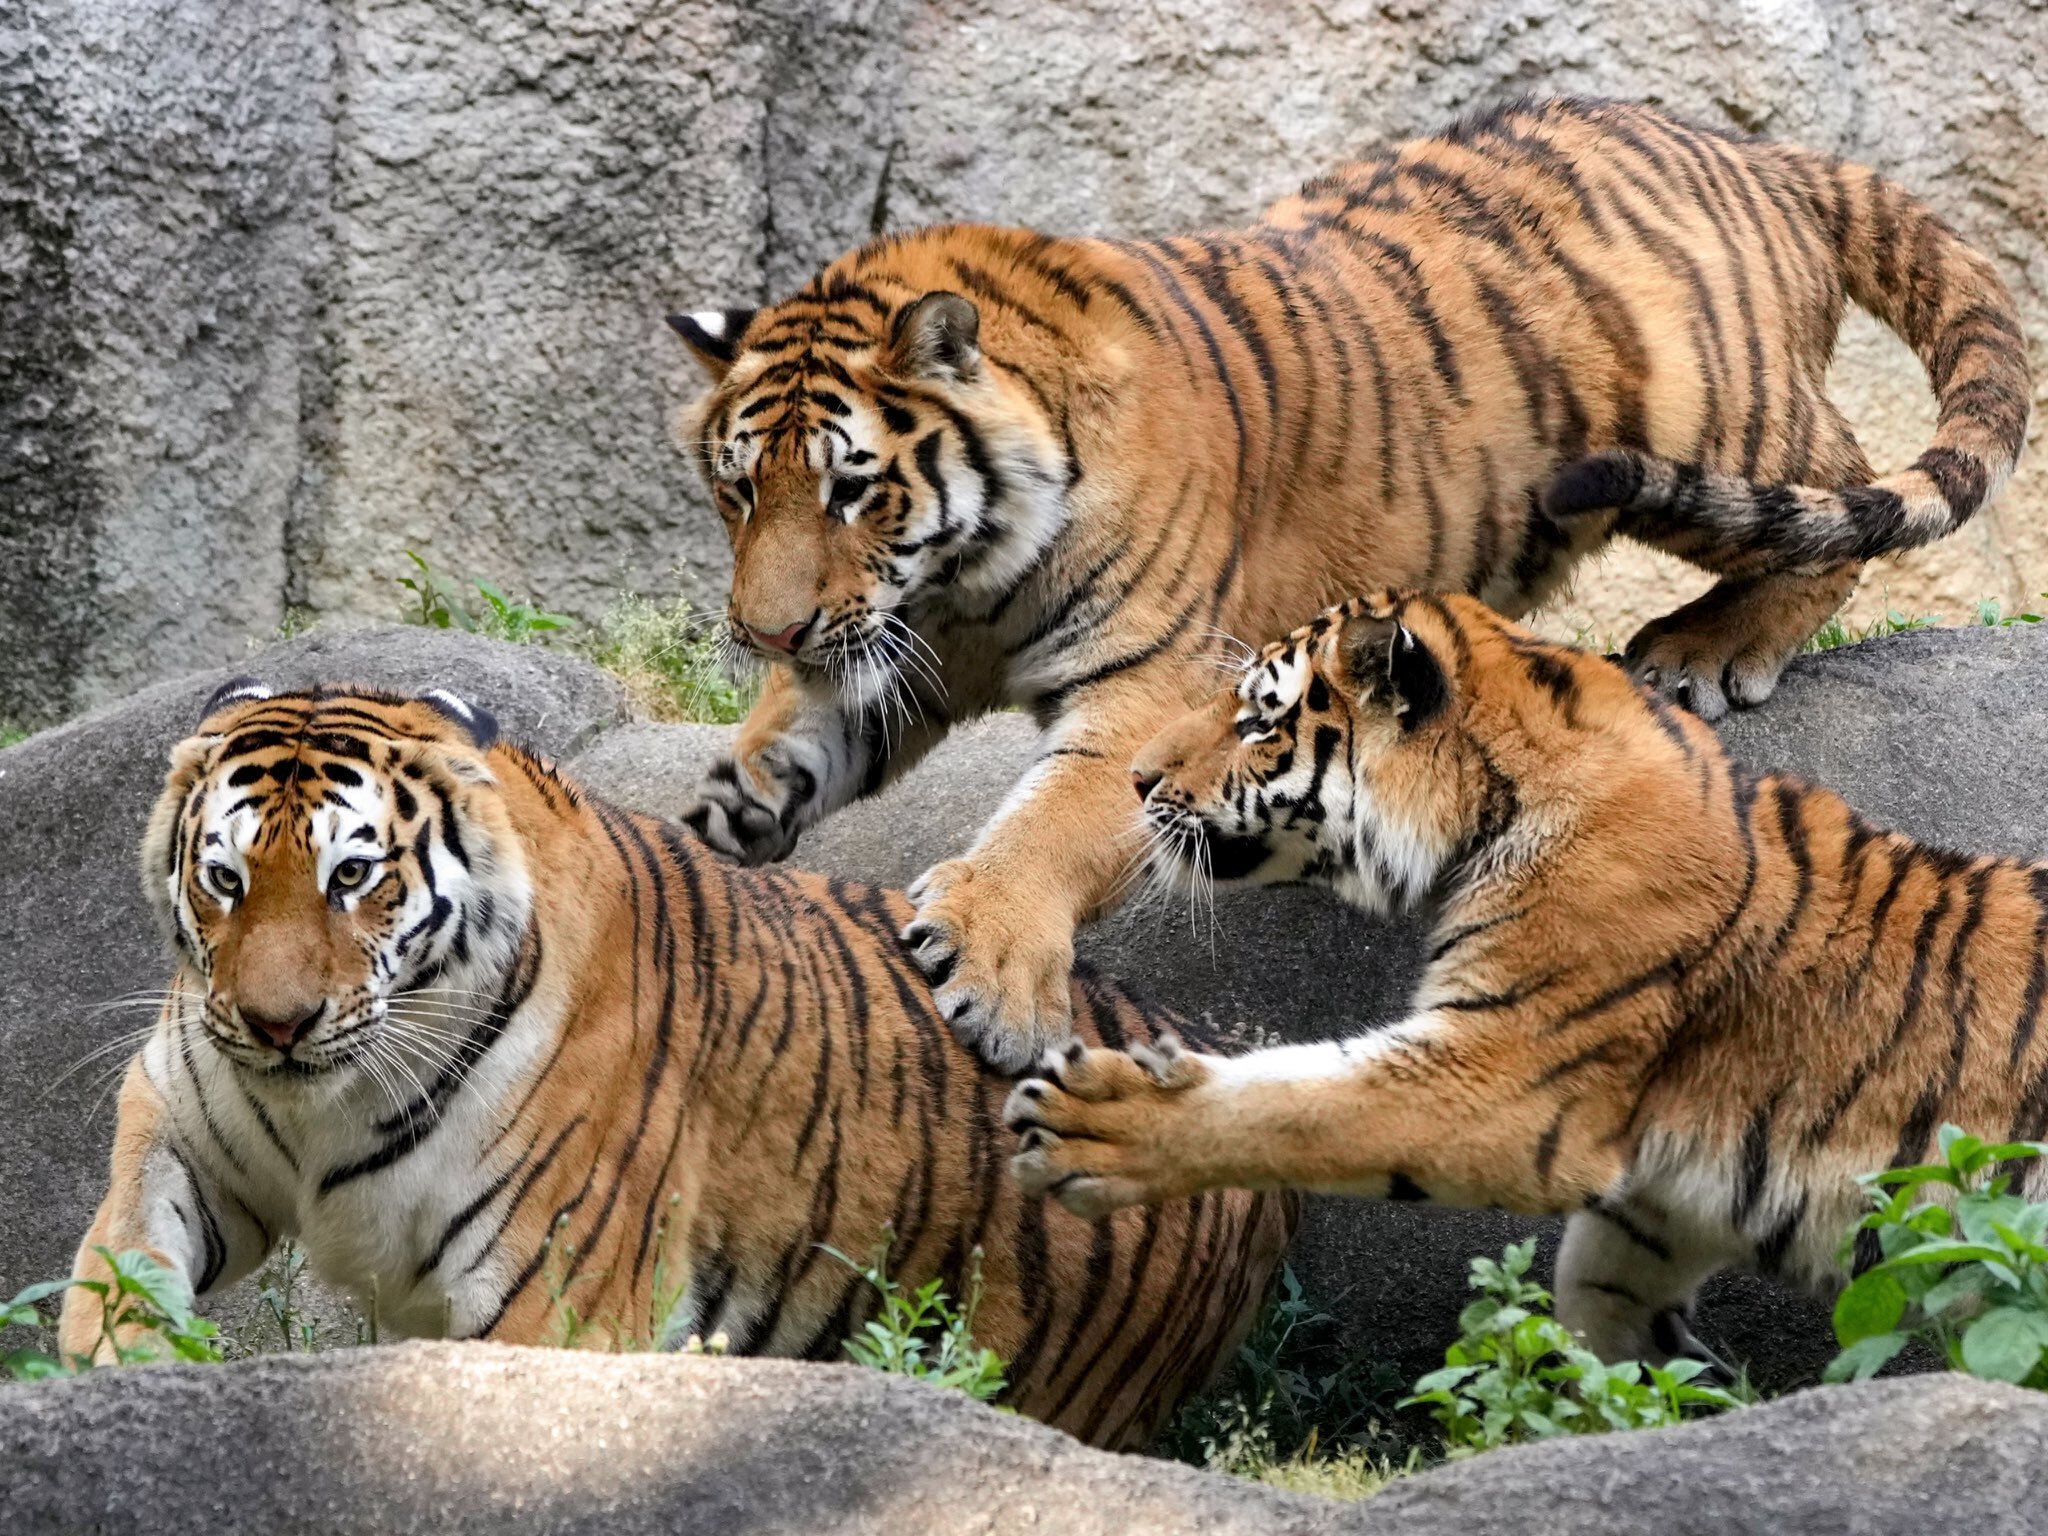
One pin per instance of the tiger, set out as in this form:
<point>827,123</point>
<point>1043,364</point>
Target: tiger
<point>511,1063</point>
<point>967,467</point>
<point>1678,1002</point>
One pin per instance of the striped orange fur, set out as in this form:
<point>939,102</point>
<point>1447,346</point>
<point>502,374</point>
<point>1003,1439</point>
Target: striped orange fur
<point>497,1053</point>
<point>970,467</point>
<point>1681,1002</point>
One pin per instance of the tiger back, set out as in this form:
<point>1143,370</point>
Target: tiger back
<point>511,1063</point>
<point>1680,1002</point>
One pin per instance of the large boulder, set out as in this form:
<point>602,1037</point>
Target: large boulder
<point>76,937</point>
<point>450,1438</point>
<point>293,286</point>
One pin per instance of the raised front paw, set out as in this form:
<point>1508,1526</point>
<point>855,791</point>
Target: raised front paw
<point>749,810</point>
<point>998,964</point>
<point>1099,1130</point>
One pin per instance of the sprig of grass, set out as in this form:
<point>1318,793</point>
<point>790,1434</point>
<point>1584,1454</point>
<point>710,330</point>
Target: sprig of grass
<point>920,1333</point>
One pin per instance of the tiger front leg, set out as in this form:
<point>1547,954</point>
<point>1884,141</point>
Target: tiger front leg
<point>160,1203</point>
<point>994,932</point>
<point>801,754</point>
<point>1410,1112</point>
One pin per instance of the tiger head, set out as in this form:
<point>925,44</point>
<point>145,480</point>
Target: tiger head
<point>317,858</point>
<point>1396,739</point>
<point>869,462</point>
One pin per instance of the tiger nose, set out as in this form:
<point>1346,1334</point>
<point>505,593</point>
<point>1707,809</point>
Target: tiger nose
<point>1144,783</point>
<point>283,1030</point>
<point>783,640</point>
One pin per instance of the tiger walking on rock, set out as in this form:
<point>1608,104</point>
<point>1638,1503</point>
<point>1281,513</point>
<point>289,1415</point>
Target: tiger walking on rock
<point>970,467</point>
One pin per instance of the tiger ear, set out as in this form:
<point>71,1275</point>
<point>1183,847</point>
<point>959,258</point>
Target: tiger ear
<point>936,337</point>
<point>713,336</point>
<point>480,724</point>
<point>236,690</point>
<point>1388,658</point>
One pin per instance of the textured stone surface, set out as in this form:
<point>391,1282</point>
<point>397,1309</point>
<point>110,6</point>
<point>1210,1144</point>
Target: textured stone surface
<point>163,186</point>
<point>289,288</point>
<point>75,934</point>
<point>457,1438</point>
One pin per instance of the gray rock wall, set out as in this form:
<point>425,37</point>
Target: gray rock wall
<point>290,287</point>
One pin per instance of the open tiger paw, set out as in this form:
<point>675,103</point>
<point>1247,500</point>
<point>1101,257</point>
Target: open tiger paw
<point>998,964</point>
<point>748,811</point>
<point>1100,1129</point>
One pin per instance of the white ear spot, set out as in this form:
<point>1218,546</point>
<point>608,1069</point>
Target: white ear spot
<point>236,690</point>
<point>454,705</point>
<point>711,322</point>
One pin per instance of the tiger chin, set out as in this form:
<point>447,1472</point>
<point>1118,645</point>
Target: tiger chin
<point>968,468</point>
<point>498,1056</point>
<point>1681,1003</point>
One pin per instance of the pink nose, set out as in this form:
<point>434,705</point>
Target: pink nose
<point>783,640</point>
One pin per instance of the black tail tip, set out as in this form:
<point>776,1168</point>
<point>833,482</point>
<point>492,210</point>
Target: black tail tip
<point>1593,484</point>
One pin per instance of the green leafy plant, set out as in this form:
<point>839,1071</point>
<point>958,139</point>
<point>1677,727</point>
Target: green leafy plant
<point>668,658</point>
<point>439,603</point>
<point>1837,633</point>
<point>1297,1407</point>
<point>920,1333</point>
<point>12,735</point>
<point>1992,615</point>
<point>1967,1270</point>
<point>145,1315</point>
<point>1517,1374</point>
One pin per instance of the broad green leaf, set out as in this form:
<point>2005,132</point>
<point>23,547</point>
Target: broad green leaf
<point>1865,1358</point>
<point>1872,1304</point>
<point>2004,1344</point>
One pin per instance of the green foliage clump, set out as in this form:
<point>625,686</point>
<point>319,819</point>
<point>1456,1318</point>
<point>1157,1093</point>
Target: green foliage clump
<point>669,659</point>
<point>12,735</point>
<point>921,1333</point>
<point>668,656</point>
<point>143,1295</point>
<point>1837,633</point>
<point>1297,1409</point>
<point>1992,615</point>
<point>1966,1271</point>
<point>1517,1374</point>
<point>440,603</point>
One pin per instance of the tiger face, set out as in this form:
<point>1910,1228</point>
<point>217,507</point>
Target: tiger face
<point>1341,758</point>
<point>318,856</point>
<point>869,465</point>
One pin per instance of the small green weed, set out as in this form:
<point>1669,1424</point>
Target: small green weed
<point>1972,1280</point>
<point>12,735</point>
<point>667,656</point>
<point>920,1333</point>
<point>1517,1374</point>
<point>143,1294</point>
<point>439,603</point>
<point>1837,633</point>
<point>1992,615</point>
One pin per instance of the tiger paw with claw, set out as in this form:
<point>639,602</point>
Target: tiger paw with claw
<point>1104,1129</point>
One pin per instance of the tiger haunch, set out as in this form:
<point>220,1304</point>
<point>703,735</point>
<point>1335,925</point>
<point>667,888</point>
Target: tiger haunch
<point>968,467</point>
<point>498,1055</point>
<point>1682,1003</point>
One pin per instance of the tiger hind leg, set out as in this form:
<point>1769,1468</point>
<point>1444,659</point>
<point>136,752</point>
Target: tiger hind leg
<point>1625,1280</point>
<point>1728,646</point>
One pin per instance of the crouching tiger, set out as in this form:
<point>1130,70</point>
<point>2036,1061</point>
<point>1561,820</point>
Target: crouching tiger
<point>490,1048</point>
<point>1680,1001</point>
